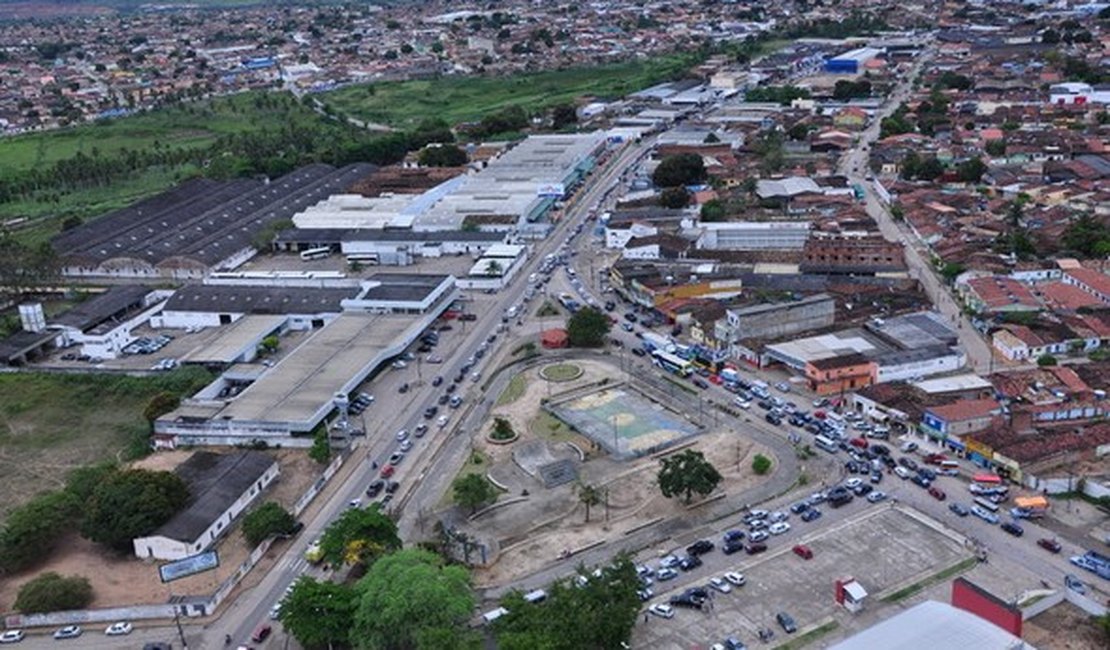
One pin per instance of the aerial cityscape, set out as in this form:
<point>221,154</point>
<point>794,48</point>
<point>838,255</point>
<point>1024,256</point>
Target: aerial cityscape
<point>555,326</point>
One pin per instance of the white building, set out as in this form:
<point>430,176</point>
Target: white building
<point>1076,92</point>
<point>495,268</point>
<point>221,486</point>
<point>745,235</point>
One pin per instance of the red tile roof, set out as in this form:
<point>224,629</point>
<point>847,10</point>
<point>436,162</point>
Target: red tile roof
<point>999,291</point>
<point>1058,295</point>
<point>1098,281</point>
<point>968,409</point>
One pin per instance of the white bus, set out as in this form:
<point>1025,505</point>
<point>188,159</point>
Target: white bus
<point>828,444</point>
<point>315,253</point>
<point>986,504</point>
<point>671,363</point>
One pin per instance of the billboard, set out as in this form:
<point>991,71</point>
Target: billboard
<point>551,191</point>
<point>191,565</point>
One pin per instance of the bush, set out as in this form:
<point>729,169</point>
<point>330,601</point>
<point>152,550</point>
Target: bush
<point>761,464</point>
<point>268,519</point>
<point>1046,360</point>
<point>51,592</point>
<point>502,429</point>
<point>32,530</point>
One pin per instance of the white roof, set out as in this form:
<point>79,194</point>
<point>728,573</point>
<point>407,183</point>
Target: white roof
<point>855,590</point>
<point>936,626</point>
<point>785,187</point>
<point>967,381</point>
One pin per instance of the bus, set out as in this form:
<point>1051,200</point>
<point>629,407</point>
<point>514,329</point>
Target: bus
<point>315,253</point>
<point>828,444</point>
<point>671,363</point>
<point>986,504</point>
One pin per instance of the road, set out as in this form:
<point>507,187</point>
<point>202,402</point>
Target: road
<point>854,164</point>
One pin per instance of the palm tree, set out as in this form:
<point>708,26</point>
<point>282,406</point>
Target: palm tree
<point>493,267</point>
<point>588,495</point>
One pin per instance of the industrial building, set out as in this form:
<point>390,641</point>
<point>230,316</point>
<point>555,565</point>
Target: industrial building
<point>389,247</point>
<point>776,320</point>
<point>754,235</point>
<point>851,62</point>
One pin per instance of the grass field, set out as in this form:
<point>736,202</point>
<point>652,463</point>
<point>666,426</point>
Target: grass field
<point>513,391</point>
<point>53,423</point>
<point>462,99</point>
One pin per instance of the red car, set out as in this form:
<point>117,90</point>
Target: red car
<point>803,551</point>
<point>387,471</point>
<point>716,379</point>
<point>858,442</point>
<point>260,633</point>
<point>1050,545</point>
<point>935,459</point>
<point>937,493</point>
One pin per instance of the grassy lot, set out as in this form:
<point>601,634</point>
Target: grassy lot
<point>53,423</point>
<point>464,99</point>
<point>561,372</point>
<point>477,463</point>
<point>513,391</point>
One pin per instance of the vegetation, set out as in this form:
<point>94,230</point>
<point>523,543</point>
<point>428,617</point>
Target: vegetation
<point>674,198</point>
<point>561,372</point>
<point>131,503</point>
<point>1089,236</point>
<point>320,451</point>
<point>934,579</point>
<point>597,616</point>
<point>456,100</point>
<point>359,536</point>
<point>33,530</point>
<point>680,170</point>
<point>442,156</point>
<point>587,328</point>
<point>412,599</point>
<point>713,210</point>
<point>159,405</point>
<point>473,491</point>
<point>51,592</point>
<point>1046,360</point>
<point>916,168</point>
<point>502,429</point>
<point>761,464</point>
<point>266,520</point>
<point>971,171</point>
<point>779,94</point>
<point>685,473</point>
<point>856,24</point>
<point>319,613</point>
<point>846,89</point>
<point>589,496</point>
<point>515,389</point>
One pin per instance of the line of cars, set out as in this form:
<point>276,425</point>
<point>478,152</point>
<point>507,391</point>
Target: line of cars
<point>121,628</point>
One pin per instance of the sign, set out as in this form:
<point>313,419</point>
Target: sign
<point>191,565</point>
<point>551,191</point>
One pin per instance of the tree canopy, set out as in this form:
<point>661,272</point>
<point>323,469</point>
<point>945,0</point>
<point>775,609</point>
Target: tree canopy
<point>32,530</point>
<point>674,198</point>
<point>359,536</point>
<point>596,616</point>
<point>51,592</point>
<point>713,210</point>
<point>319,614</point>
<point>1089,236</point>
<point>587,328</point>
<point>412,600</point>
<point>131,503</point>
<point>685,473</point>
<point>442,156</point>
<point>971,171</point>
<point>780,94</point>
<point>266,520</point>
<point>473,491</point>
<point>679,170</point>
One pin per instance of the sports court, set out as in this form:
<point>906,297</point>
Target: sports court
<point>623,421</point>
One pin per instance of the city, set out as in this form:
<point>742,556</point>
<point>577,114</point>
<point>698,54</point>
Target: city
<point>701,325</point>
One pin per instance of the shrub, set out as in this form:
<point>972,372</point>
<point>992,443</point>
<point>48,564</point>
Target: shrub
<point>51,592</point>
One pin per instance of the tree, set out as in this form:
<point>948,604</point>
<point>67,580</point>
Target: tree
<point>321,447</point>
<point>412,599</point>
<point>679,170</point>
<point>931,169</point>
<point>599,615</point>
<point>971,171</point>
<point>674,198</point>
<point>713,210</point>
<point>761,464</point>
<point>589,496</point>
<point>51,592</point>
<point>685,473</point>
<point>587,328</point>
<point>82,482</point>
<point>442,156</point>
<point>951,270</point>
<point>270,344</point>
<point>159,405</point>
<point>32,530</point>
<point>1089,236</point>
<point>563,115</point>
<point>493,268</point>
<point>266,520</point>
<point>132,503</point>
<point>1046,360</point>
<point>995,148</point>
<point>319,614</point>
<point>359,536</point>
<point>473,491</point>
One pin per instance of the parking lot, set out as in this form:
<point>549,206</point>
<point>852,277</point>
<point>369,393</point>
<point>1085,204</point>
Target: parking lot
<point>882,547</point>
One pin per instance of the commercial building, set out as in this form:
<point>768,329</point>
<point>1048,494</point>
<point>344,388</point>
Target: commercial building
<point>949,423</point>
<point>851,62</point>
<point>496,268</point>
<point>841,255</point>
<point>776,320</point>
<point>750,236</point>
<point>840,374</point>
<point>221,486</point>
<point>934,625</point>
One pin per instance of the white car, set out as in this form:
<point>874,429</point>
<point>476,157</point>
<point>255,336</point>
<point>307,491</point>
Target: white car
<point>442,421</point>
<point>876,496</point>
<point>662,610</point>
<point>853,483</point>
<point>777,516</point>
<point>12,636</point>
<point>720,585</point>
<point>759,535</point>
<point>669,562</point>
<point>68,632</point>
<point>737,579</point>
<point>779,528</point>
<point>746,405</point>
<point>402,434</point>
<point>399,364</point>
<point>275,611</point>
<point>118,629</point>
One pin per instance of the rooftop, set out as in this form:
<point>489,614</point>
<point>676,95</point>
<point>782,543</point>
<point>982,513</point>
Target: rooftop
<point>967,409</point>
<point>215,482</point>
<point>933,625</point>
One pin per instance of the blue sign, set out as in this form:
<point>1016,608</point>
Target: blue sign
<point>191,565</point>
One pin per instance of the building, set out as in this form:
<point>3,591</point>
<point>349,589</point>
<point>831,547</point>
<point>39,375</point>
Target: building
<point>389,247</point>
<point>750,236</point>
<point>221,486</point>
<point>776,320</point>
<point>839,375</point>
<point>497,267</point>
<point>1077,92</point>
<point>851,62</point>
<point>951,422</point>
<point>1090,281</point>
<point>997,294</point>
<point>933,625</point>
<point>839,255</point>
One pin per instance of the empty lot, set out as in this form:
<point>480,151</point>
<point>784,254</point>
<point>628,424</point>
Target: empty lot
<point>883,548</point>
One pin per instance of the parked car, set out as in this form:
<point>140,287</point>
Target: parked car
<point>1013,528</point>
<point>803,551</point>
<point>937,493</point>
<point>662,610</point>
<point>689,563</point>
<point>261,633</point>
<point>736,579</point>
<point>755,547</point>
<point>812,514</point>
<point>12,636</point>
<point>663,575</point>
<point>720,584</point>
<point>787,622</point>
<point>68,632</point>
<point>700,547</point>
<point>375,488</point>
<point>779,528</point>
<point>958,509</point>
<point>876,496</point>
<point>984,514</point>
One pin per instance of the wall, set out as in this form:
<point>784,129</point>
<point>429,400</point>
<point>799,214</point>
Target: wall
<point>971,598</point>
<point>784,319</point>
<point>921,368</point>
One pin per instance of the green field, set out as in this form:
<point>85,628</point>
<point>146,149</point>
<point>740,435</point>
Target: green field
<point>404,104</point>
<point>53,423</point>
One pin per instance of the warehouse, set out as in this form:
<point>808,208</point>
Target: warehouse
<point>851,62</point>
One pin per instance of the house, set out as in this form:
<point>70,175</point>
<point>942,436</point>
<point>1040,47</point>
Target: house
<point>840,374</point>
<point>221,486</point>
<point>950,422</point>
<point>1093,282</point>
<point>997,294</point>
<point>851,117</point>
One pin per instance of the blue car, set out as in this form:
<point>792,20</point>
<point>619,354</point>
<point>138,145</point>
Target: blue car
<point>811,514</point>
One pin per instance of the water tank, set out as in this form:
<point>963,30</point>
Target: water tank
<point>32,317</point>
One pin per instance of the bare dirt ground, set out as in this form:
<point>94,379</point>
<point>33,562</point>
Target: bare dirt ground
<point>554,520</point>
<point>1064,627</point>
<point>126,580</point>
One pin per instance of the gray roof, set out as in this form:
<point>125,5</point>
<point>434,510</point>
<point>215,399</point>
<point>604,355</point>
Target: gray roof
<point>113,303</point>
<point>403,286</point>
<point>933,625</point>
<point>202,220</point>
<point>258,300</point>
<point>215,482</point>
<point>22,342</point>
<point>337,235</point>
